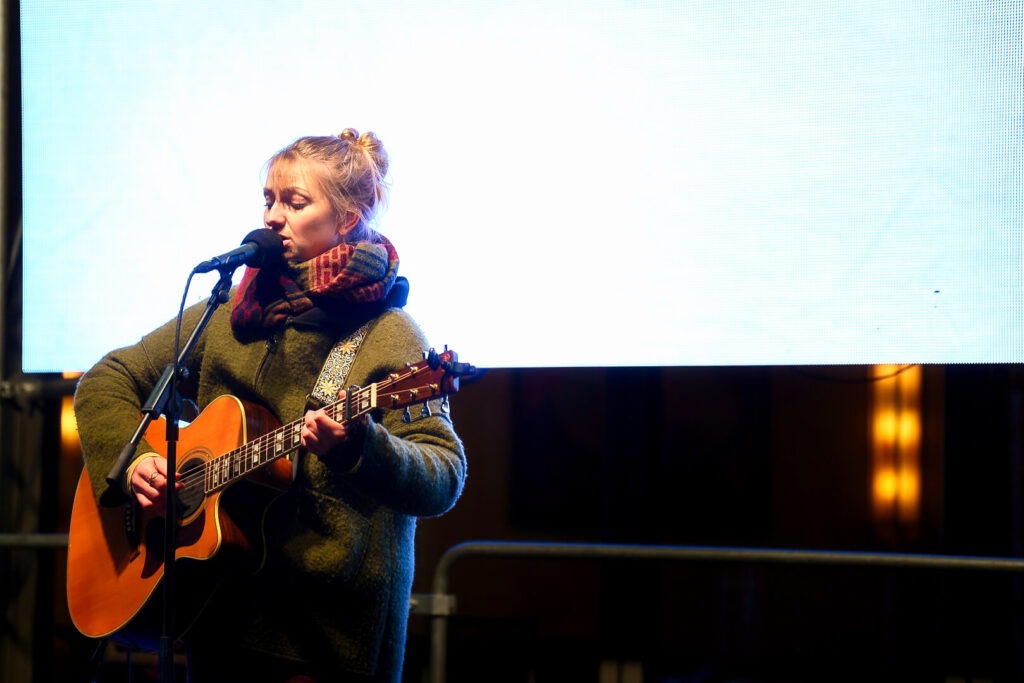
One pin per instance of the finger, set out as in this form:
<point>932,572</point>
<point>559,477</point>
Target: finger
<point>156,481</point>
<point>328,431</point>
<point>327,424</point>
<point>307,435</point>
<point>149,495</point>
<point>309,423</point>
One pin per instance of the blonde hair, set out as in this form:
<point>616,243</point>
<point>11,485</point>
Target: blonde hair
<point>351,170</point>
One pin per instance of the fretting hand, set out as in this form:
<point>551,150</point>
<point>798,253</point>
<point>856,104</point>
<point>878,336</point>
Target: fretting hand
<point>322,435</point>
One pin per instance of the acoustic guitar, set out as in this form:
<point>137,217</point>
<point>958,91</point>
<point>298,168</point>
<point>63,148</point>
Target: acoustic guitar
<point>116,553</point>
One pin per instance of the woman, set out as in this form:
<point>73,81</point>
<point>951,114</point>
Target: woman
<point>332,599</point>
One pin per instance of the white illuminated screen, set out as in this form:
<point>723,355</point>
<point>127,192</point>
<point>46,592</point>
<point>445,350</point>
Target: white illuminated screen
<point>599,183</point>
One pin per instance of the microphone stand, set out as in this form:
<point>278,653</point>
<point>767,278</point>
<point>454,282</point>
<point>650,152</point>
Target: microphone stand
<point>164,400</point>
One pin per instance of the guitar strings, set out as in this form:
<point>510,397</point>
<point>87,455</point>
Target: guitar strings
<point>198,476</point>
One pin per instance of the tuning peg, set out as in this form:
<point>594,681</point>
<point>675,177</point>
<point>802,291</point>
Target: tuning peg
<point>406,416</point>
<point>425,410</point>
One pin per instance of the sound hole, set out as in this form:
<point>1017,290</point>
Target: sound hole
<point>190,497</point>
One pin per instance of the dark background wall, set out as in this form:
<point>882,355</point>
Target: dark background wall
<point>748,457</point>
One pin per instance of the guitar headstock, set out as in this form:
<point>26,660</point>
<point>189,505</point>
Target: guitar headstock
<point>436,376</point>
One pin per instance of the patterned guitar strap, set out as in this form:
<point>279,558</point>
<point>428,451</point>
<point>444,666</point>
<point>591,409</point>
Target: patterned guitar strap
<point>331,380</point>
<point>336,368</point>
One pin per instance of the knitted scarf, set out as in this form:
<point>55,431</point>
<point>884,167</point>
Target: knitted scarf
<point>349,273</point>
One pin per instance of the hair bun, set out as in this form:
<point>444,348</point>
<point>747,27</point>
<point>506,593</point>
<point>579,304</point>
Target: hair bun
<point>350,134</point>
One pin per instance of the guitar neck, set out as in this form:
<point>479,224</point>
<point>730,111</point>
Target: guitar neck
<point>437,375</point>
<point>233,465</point>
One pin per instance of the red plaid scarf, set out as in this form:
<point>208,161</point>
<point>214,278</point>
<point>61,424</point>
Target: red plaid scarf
<point>351,273</point>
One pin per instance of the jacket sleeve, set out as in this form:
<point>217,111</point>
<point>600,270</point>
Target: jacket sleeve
<point>417,467</point>
<point>110,395</point>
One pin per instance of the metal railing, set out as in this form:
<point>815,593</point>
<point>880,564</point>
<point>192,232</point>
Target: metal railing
<point>34,541</point>
<point>440,604</point>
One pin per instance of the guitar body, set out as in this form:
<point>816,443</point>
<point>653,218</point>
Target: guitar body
<point>230,464</point>
<point>114,572</point>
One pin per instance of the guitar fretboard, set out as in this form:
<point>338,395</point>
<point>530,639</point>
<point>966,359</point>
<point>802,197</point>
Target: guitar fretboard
<point>231,466</point>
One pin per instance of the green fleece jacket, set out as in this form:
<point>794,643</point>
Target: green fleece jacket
<point>335,587</point>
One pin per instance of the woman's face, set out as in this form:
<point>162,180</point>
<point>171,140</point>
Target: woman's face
<point>298,211</point>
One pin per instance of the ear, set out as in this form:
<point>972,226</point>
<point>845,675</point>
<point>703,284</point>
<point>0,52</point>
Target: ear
<point>347,222</point>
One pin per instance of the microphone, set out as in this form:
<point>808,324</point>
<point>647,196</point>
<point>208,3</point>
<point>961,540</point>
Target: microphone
<point>259,246</point>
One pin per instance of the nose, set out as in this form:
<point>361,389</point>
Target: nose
<point>273,216</point>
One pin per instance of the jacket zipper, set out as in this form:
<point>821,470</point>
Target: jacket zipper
<point>271,349</point>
